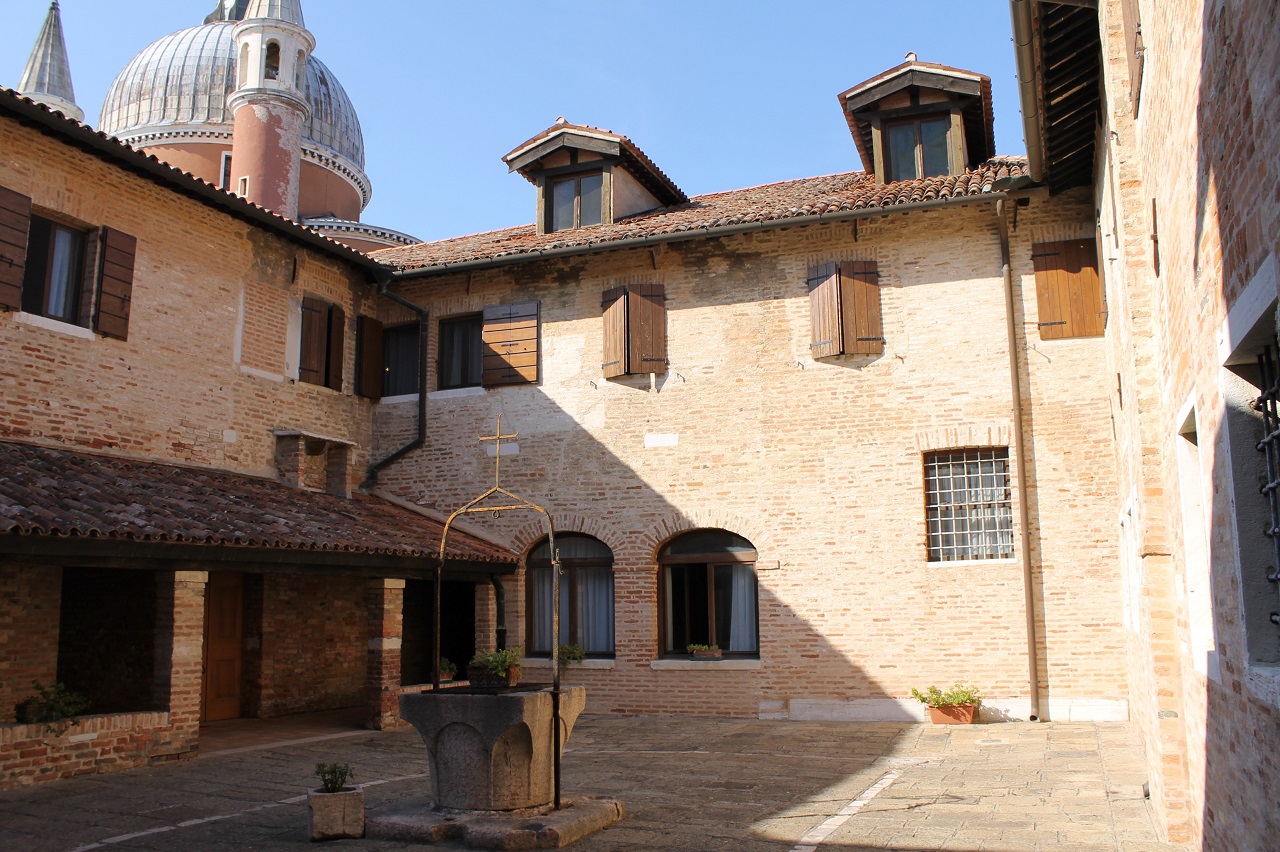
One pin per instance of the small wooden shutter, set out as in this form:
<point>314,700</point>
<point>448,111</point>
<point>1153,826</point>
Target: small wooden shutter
<point>509,338</point>
<point>614,303</point>
<point>860,308</point>
<point>315,328</point>
<point>647,324</point>
<point>369,358</point>
<point>1069,296</point>
<point>15,222</point>
<point>115,284</point>
<point>824,309</point>
<point>336,350</point>
<point>1134,49</point>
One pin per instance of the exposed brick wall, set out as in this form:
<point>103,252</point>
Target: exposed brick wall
<point>29,596</point>
<point>819,464</point>
<point>314,643</point>
<point>1202,154</point>
<point>31,754</point>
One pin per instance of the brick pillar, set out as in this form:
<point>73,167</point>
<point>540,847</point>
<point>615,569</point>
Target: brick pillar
<point>385,598</point>
<point>180,658</point>
<point>290,459</point>
<point>337,474</point>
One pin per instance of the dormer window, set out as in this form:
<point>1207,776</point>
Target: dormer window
<point>587,176</point>
<point>916,149</point>
<point>921,120</point>
<point>576,201</point>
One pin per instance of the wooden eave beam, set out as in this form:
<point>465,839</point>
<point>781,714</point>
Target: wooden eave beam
<point>923,79</point>
<point>566,139</point>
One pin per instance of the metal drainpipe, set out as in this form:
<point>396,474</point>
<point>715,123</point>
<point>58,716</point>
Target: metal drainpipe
<point>1015,391</point>
<point>499,612</point>
<point>1022,13</point>
<point>384,280</point>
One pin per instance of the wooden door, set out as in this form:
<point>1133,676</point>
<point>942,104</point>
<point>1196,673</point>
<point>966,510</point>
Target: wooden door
<point>223,643</point>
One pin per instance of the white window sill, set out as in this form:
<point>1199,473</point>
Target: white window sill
<point>544,663</point>
<point>704,665</point>
<point>455,393</point>
<point>54,325</point>
<point>969,563</point>
<point>398,398</point>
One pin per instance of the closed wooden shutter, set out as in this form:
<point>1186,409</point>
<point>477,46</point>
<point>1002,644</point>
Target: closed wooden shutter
<point>336,349</point>
<point>509,342</point>
<point>614,303</point>
<point>1134,49</point>
<point>115,284</point>
<point>1069,296</point>
<point>860,308</point>
<point>824,310</point>
<point>15,221</point>
<point>647,324</point>
<point>315,333</point>
<point>369,358</point>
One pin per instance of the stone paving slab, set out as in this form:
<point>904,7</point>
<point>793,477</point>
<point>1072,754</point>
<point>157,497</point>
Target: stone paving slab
<point>687,784</point>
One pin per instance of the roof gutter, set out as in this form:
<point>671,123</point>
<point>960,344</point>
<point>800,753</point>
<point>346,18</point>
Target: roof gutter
<point>1023,13</point>
<point>692,234</point>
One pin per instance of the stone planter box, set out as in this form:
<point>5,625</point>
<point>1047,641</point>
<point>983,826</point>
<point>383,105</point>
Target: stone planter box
<point>333,816</point>
<point>491,750</point>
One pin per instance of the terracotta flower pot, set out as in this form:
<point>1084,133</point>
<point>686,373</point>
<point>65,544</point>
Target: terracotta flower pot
<point>708,655</point>
<point>484,677</point>
<point>336,815</point>
<point>954,714</point>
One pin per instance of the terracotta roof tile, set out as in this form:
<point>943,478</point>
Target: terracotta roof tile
<point>57,492</point>
<point>787,203</point>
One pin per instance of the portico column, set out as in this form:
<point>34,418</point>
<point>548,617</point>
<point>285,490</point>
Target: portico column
<point>385,599</point>
<point>180,658</point>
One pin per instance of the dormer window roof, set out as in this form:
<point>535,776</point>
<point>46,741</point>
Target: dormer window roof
<point>589,176</point>
<point>921,119</point>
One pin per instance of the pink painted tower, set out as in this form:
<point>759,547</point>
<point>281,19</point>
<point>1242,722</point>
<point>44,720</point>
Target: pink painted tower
<point>269,104</point>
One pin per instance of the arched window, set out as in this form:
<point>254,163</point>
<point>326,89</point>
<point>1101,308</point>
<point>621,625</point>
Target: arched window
<point>242,67</point>
<point>709,594</point>
<point>273,60</point>
<point>586,596</point>
<point>300,72</point>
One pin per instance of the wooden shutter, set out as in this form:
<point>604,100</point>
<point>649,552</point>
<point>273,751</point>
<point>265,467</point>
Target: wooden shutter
<point>315,328</point>
<point>15,222</point>
<point>824,309</point>
<point>115,284</point>
<point>614,303</point>
<point>1069,294</point>
<point>860,308</point>
<point>369,357</point>
<point>1134,49</point>
<point>509,342</point>
<point>647,329</point>
<point>336,338</point>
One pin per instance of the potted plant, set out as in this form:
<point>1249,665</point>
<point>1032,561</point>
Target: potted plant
<point>570,654</point>
<point>956,706</point>
<point>447,669</point>
<point>705,652</point>
<point>335,809</point>
<point>495,668</point>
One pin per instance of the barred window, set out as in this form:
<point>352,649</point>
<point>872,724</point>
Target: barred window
<point>967,504</point>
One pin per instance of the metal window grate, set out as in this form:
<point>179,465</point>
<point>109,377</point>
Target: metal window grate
<point>968,507</point>
<point>1269,408</point>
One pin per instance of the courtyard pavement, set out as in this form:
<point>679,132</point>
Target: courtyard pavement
<point>688,784</point>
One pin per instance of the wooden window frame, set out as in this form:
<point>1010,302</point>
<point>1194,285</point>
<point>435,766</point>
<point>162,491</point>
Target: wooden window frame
<point>635,330</point>
<point>576,178</point>
<point>322,350</point>
<point>1070,300</point>
<point>409,329</point>
<point>36,278</point>
<point>712,560</point>
<point>442,362</point>
<point>570,568</point>
<point>846,309</point>
<point>916,123</point>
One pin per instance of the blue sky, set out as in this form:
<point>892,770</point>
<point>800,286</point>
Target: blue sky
<point>720,94</point>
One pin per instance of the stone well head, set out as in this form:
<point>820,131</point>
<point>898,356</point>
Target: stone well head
<point>491,751</point>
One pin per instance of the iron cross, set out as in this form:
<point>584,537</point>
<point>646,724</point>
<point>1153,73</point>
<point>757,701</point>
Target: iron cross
<point>498,438</point>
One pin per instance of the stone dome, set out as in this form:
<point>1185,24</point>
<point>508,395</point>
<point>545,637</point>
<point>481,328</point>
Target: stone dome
<point>183,80</point>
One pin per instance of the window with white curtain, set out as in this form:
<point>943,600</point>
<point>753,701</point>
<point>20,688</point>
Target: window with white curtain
<point>709,594</point>
<point>586,596</point>
<point>968,507</point>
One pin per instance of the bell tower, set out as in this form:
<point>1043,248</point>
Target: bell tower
<point>270,104</point>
